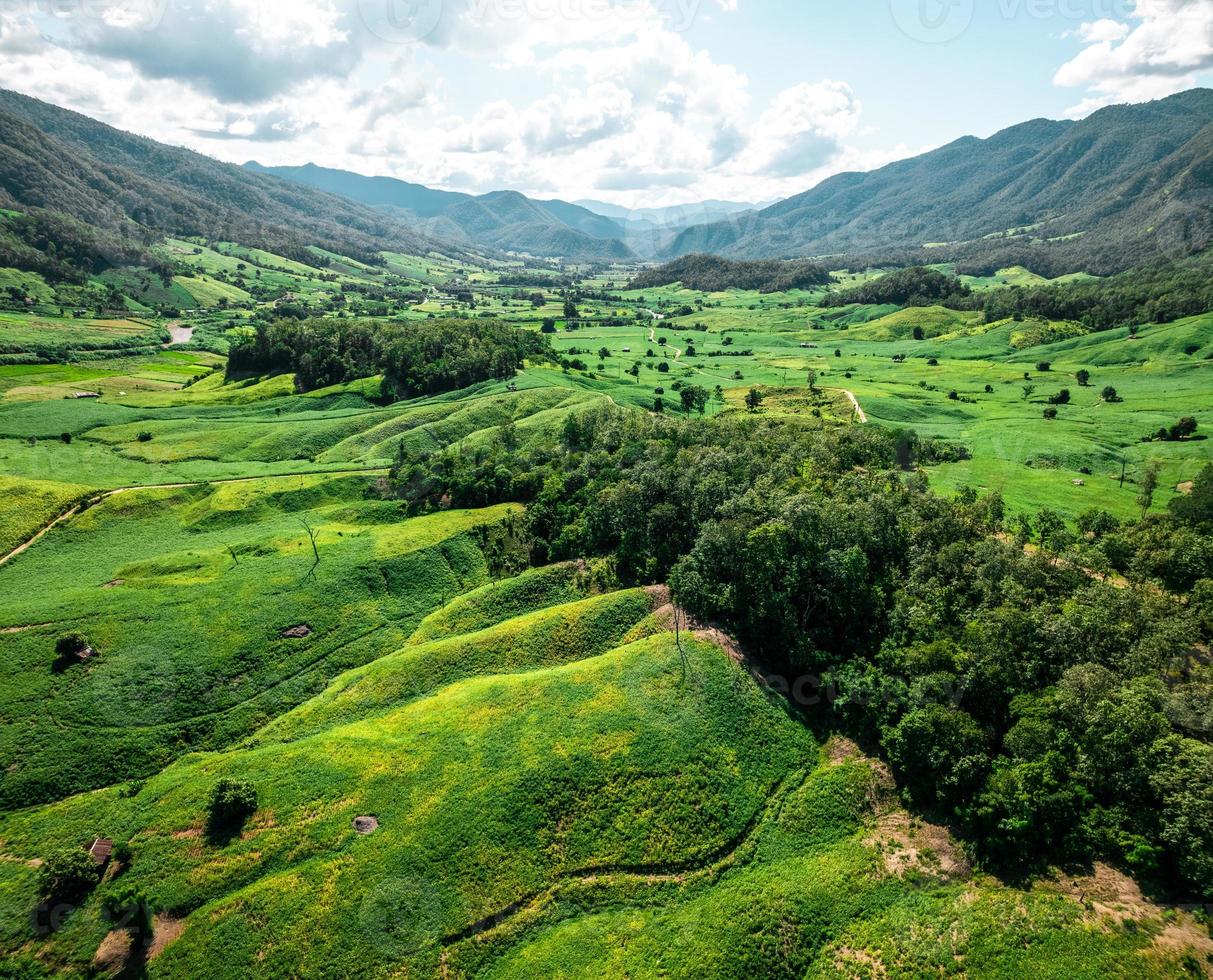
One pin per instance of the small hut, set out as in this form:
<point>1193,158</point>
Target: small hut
<point>101,850</point>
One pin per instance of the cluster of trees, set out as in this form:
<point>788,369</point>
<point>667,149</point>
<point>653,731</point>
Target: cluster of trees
<point>713,274</point>
<point>915,286</point>
<point>1160,292</point>
<point>422,358</point>
<point>1045,712</point>
<point>1185,428</point>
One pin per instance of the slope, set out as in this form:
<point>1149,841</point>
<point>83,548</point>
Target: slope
<point>1097,195</point>
<point>503,220</point>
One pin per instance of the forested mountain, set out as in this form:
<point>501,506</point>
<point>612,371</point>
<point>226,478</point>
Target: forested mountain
<point>503,220</point>
<point>1105,193</point>
<point>94,196</point>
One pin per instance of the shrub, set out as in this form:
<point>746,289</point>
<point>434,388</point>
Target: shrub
<point>71,645</point>
<point>145,437</point>
<point>68,875</point>
<point>66,438</point>
<point>231,803</point>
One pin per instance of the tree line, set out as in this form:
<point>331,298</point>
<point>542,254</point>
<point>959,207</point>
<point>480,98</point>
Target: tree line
<point>423,358</point>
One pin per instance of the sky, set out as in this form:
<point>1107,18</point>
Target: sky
<point>639,103</point>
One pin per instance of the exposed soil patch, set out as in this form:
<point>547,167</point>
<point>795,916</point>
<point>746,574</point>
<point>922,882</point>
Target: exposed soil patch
<point>907,844</point>
<point>297,632</point>
<point>1185,488</point>
<point>10,630</point>
<point>116,583</point>
<point>366,825</point>
<point>840,749</point>
<point>1109,897</point>
<point>113,954</point>
<point>165,930</point>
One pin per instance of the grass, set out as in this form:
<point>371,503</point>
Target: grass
<point>188,617</point>
<point>560,789</point>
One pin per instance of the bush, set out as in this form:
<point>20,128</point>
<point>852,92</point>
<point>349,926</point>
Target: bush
<point>68,875</point>
<point>145,437</point>
<point>127,908</point>
<point>231,803</point>
<point>71,645</point>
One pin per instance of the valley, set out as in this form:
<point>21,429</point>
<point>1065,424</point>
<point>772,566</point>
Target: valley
<point>377,602</point>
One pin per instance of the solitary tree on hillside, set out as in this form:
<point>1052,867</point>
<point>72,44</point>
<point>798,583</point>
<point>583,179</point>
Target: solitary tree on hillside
<point>753,401</point>
<point>1110,395</point>
<point>1083,376</point>
<point>1145,493</point>
<point>812,381</point>
<point>1028,391</point>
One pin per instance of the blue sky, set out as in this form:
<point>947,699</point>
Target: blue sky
<point>637,102</point>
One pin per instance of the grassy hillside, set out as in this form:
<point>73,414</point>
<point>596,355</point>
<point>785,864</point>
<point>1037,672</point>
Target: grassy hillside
<point>623,789</point>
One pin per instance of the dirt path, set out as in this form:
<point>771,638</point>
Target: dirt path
<point>863,416</point>
<point>106,494</point>
<point>653,340</point>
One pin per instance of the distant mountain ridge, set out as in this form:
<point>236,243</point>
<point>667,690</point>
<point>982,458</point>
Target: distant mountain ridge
<point>96,196</point>
<point>1122,186</point>
<point>505,220</point>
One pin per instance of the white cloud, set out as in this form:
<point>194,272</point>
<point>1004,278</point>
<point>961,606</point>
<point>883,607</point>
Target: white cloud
<point>618,101</point>
<point>1162,51</point>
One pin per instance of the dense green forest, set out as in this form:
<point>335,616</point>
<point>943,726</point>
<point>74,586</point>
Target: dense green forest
<point>1048,710</point>
<point>915,286</point>
<point>418,359</point>
<point>712,274</point>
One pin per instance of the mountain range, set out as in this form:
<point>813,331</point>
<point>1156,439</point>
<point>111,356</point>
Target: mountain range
<point>1118,188</point>
<point>502,220</point>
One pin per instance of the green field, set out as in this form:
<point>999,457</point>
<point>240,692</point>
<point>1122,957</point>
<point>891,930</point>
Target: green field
<point>563,784</point>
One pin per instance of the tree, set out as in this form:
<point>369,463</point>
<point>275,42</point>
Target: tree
<point>603,353</point>
<point>570,309</point>
<point>918,334</point>
<point>1044,367</point>
<point>1061,398</point>
<point>694,398</point>
<point>1050,414</point>
<point>1110,395</point>
<point>1146,488</point>
<point>549,325</point>
<point>812,376</point>
<point>1185,428</point>
<point>659,405</point>
<point>663,367</point>
<point>67,875</point>
<point>1028,391</point>
<point>1050,527</point>
<point>941,753</point>
<point>231,803</point>
<point>1083,377</point>
<point>754,400</point>
<point>127,907</point>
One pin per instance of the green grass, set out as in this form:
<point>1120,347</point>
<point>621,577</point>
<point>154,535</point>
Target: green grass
<point>26,506</point>
<point>188,615</point>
